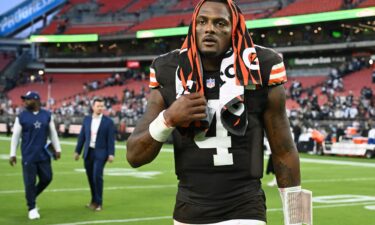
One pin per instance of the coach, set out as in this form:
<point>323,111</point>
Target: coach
<point>33,125</point>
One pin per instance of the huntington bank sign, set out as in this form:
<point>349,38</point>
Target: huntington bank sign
<point>24,13</point>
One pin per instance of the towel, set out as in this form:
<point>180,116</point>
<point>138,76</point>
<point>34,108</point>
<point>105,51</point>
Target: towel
<point>246,72</point>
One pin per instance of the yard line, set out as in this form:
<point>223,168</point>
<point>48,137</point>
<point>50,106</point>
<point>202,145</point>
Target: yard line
<point>337,162</point>
<point>338,180</point>
<point>329,206</point>
<point>175,185</point>
<point>302,159</point>
<point>119,145</point>
<point>169,217</point>
<point>106,188</point>
<point>119,221</point>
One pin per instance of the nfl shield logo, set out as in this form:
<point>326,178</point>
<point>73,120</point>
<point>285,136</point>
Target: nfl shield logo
<point>210,83</point>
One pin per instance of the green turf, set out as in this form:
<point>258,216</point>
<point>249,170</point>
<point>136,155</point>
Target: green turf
<point>149,201</point>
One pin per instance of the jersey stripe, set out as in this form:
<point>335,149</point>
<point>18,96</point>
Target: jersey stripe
<point>278,74</point>
<point>153,82</point>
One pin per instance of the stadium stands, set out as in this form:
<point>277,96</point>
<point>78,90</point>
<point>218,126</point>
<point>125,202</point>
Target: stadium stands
<point>356,81</point>
<point>51,28</point>
<point>184,5</point>
<point>164,21</point>
<point>118,90</point>
<point>4,62</point>
<point>367,3</point>
<point>253,9</point>
<point>59,88</point>
<point>97,28</point>
<point>140,5</point>
<point>309,81</point>
<point>107,6</point>
<point>308,6</point>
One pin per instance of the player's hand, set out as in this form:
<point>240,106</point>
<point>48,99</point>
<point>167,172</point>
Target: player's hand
<point>110,158</point>
<point>76,156</point>
<point>12,160</point>
<point>58,155</point>
<point>186,109</point>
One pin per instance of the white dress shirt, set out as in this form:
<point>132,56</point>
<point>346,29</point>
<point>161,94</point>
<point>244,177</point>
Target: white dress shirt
<point>95,123</point>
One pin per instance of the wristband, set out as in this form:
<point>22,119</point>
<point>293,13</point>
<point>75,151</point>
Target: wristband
<point>297,205</point>
<point>159,129</point>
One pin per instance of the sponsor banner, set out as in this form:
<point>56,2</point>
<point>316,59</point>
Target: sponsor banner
<point>316,60</point>
<point>24,14</point>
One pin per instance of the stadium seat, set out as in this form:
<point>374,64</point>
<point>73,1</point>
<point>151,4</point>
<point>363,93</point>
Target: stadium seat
<point>368,3</point>
<point>140,6</point>
<point>59,89</point>
<point>308,6</point>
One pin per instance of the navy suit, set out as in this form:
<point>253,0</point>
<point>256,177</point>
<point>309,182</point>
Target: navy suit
<point>96,158</point>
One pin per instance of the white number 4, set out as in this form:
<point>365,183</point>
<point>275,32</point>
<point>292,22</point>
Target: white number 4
<point>221,142</point>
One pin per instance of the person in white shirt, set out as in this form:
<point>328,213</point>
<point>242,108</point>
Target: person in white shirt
<point>97,138</point>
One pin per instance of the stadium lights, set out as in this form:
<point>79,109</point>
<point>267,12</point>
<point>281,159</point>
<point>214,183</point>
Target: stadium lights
<point>273,22</point>
<point>64,38</point>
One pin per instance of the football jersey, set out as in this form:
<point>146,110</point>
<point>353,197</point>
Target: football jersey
<point>35,131</point>
<point>220,170</point>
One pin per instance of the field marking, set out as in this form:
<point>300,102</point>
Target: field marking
<point>370,207</point>
<point>119,145</point>
<point>105,188</point>
<point>173,185</point>
<point>302,159</point>
<point>337,180</point>
<point>119,221</point>
<point>337,162</point>
<point>169,217</point>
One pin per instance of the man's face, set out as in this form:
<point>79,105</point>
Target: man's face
<point>213,29</point>
<point>98,108</point>
<point>30,104</point>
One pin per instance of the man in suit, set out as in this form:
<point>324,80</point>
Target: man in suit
<point>33,126</point>
<point>97,139</point>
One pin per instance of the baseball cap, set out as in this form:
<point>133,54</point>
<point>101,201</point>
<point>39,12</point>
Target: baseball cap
<point>31,95</point>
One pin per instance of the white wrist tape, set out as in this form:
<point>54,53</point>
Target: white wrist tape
<point>297,205</point>
<point>159,130</point>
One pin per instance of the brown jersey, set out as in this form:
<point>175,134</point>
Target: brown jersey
<point>219,174</point>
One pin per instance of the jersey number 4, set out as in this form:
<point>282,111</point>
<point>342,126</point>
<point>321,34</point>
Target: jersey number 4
<point>221,142</point>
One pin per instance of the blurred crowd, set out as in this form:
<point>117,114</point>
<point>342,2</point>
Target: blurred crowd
<point>126,108</point>
<point>338,102</point>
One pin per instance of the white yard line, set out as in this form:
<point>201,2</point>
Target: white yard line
<point>175,185</point>
<point>105,188</point>
<point>338,180</point>
<point>337,162</point>
<point>170,218</point>
<point>119,221</point>
<point>119,145</point>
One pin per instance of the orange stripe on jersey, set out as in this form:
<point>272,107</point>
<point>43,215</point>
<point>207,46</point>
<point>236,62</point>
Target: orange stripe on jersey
<point>278,70</point>
<point>278,74</point>
<point>153,82</point>
<point>278,81</point>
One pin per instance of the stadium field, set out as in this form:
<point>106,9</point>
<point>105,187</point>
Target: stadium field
<point>343,189</point>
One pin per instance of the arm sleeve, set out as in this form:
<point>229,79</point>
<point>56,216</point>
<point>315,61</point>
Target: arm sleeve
<point>277,74</point>
<point>272,67</point>
<point>81,138</point>
<point>111,139</point>
<point>53,135</point>
<point>153,83</point>
<point>17,129</point>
